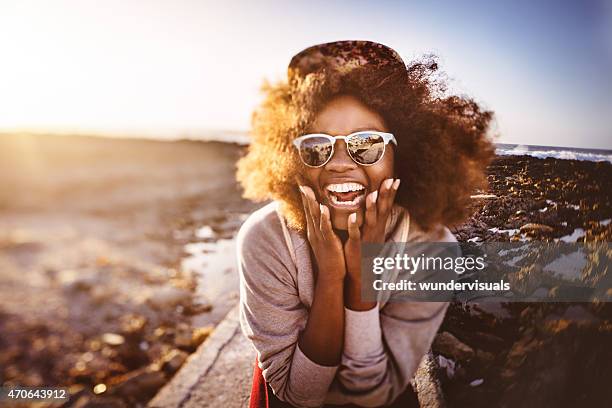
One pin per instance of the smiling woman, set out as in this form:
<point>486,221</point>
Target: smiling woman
<point>332,146</point>
<point>344,179</point>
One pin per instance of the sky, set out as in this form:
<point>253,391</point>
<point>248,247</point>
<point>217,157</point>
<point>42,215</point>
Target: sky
<point>183,68</point>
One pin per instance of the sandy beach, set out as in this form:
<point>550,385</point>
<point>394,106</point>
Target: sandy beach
<point>117,260</point>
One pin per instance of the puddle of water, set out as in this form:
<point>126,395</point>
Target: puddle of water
<point>214,266</point>
<point>568,266</point>
<point>573,237</point>
<point>513,261</point>
<point>205,232</point>
<point>510,232</point>
<point>485,196</point>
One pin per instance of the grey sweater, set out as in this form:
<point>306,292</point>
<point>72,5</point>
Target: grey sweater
<point>382,346</point>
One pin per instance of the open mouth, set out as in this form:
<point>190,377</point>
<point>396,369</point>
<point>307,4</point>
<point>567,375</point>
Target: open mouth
<point>346,194</point>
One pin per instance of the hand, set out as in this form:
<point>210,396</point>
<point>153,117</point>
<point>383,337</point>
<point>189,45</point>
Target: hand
<point>325,244</point>
<point>378,208</point>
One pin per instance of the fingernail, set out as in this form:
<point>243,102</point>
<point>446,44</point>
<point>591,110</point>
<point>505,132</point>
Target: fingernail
<point>396,184</point>
<point>374,196</point>
<point>301,189</point>
<point>321,208</point>
<point>308,191</point>
<point>353,218</point>
<point>388,183</point>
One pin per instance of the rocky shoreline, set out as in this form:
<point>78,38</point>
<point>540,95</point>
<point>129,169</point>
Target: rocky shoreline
<point>532,354</point>
<point>94,294</point>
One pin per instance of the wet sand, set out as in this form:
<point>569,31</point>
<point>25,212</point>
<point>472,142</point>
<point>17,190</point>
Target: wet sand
<point>95,283</point>
<point>116,259</point>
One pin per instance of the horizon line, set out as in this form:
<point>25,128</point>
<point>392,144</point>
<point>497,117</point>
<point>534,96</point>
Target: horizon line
<point>202,134</point>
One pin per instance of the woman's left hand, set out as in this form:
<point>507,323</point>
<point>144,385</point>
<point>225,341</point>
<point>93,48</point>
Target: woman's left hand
<point>378,208</point>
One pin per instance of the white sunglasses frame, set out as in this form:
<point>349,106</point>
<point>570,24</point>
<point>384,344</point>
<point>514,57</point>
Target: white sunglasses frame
<point>387,137</point>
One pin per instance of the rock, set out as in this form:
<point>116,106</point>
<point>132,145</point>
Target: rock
<point>197,308</point>
<point>132,324</point>
<point>495,309</point>
<point>527,279</point>
<point>183,337</point>
<point>476,382</point>
<point>489,341</point>
<point>200,334</point>
<point>189,339</point>
<point>82,280</point>
<point>571,293</point>
<point>113,339</point>
<point>447,365</point>
<point>172,361</point>
<point>450,346</point>
<point>485,357</point>
<point>483,196</point>
<point>132,356</point>
<point>163,333</point>
<point>139,385</point>
<point>99,389</point>
<point>535,229</point>
<point>94,345</point>
<point>95,366</point>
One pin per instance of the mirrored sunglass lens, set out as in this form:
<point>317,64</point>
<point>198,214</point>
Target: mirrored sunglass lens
<point>366,148</point>
<point>315,150</point>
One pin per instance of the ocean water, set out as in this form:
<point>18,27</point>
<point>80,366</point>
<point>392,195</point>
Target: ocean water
<point>567,153</point>
<point>502,149</point>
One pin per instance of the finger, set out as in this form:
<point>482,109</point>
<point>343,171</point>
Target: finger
<point>313,205</point>
<point>352,248</point>
<point>353,228</point>
<point>309,222</point>
<point>371,211</point>
<point>325,223</point>
<point>384,204</point>
<point>394,188</point>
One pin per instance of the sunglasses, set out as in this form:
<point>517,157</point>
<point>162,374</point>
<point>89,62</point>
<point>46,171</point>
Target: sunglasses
<point>366,148</point>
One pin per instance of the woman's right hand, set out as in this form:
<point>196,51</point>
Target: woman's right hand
<point>323,337</point>
<point>325,244</point>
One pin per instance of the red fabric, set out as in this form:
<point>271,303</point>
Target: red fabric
<point>259,389</point>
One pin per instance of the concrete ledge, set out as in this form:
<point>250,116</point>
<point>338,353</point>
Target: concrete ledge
<point>220,372</point>
<point>225,356</point>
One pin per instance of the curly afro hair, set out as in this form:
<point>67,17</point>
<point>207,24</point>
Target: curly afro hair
<point>443,148</point>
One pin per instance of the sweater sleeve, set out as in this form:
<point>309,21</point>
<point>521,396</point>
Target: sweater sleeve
<point>272,316</point>
<point>383,347</point>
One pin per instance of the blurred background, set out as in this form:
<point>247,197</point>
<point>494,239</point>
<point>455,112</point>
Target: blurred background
<point>184,68</point>
<point>120,126</point>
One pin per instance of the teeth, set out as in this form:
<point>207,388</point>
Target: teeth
<point>345,187</point>
<point>355,201</point>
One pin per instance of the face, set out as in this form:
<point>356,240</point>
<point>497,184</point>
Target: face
<point>344,115</point>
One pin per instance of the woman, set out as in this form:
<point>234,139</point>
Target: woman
<point>353,147</point>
